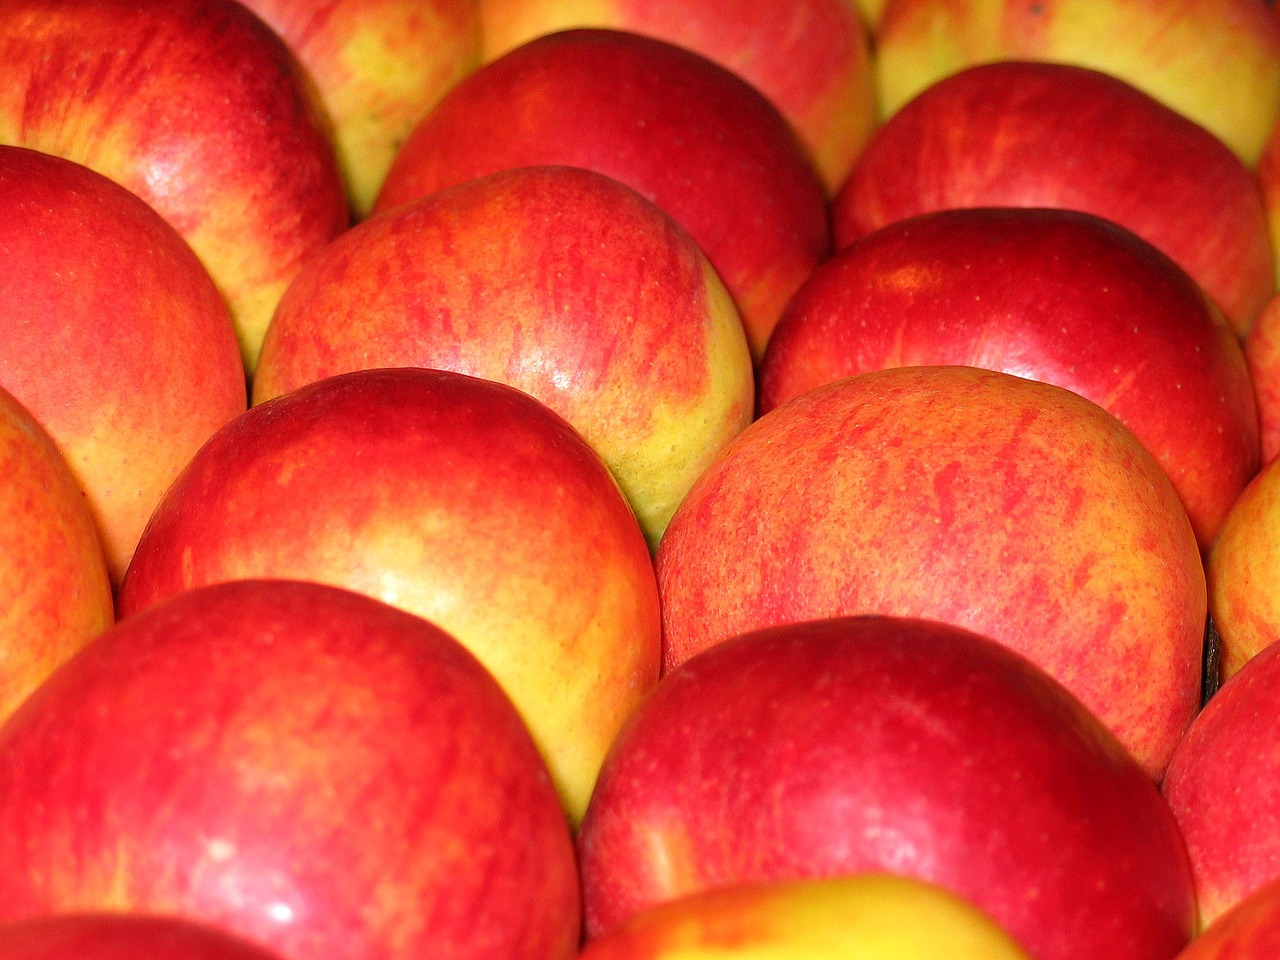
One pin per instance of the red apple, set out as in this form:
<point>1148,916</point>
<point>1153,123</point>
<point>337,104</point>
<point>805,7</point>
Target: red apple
<point>1051,135</point>
<point>1262,351</point>
<point>1014,508</point>
<point>1217,62</point>
<point>113,336</point>
<point>106,936</point>
<point>1053,295</point>
<point>559,281</point>
<point>197,107</point>
<point>379,66</point>
<point>811,58</point>
<point>301,766</point>
<point>458,499</point>
<point>1248,931</point>
<point>54,592</point>
<point>837,747</point>
<point>686,133</point>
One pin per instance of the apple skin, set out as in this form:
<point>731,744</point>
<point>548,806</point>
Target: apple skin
<point>1262,352</point>
<point>811,58</point>
<point>870,916</point>
<point>1248,931</point>
<point>1053,295</point>
<point>559,281</point>
<point>1008,506</point>
<point>55,594</point>
<point>684,132</point>
<point>271,758</point>
<point>1216,62</point>
<point>113,336</point>
<point>1029,134</point>
<point>461,500</point>
<point>106,936</point>
<point>378,67</point>
<point>216,133</point>
<point>886,744</point>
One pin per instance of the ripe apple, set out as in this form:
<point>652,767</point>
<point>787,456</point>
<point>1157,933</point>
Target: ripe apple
<point>1031,134</point>
<point>559,281</point>
<point>301,766</point>
<point>1216,62</point>
<point>811,58</point>
<point>113,336</point>
<point>1053,295</point>
<point>378,67</point>
<point>1248,931</point>
<point>1223,785</point>
<point>198,108</point>
<point>106,936</point>
<point>870,916</point>
<point>883,744</point>
<point>1012,507</point>
<point>1262,351</point>
<point>54,592</point>
<point>462,500</point>
<point>686,133</point>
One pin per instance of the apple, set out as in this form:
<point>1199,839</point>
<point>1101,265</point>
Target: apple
<point>198,108</point>
<point>1216,62</point>
<point>113,336</point>
<point>811,58</point>
<point>462,500</point>
<point>55,595</point>
<point>378,67</point>
<point>1262,352</point>
<point>559,281</point>
<point>1011,507</point>
<point>1053,295</point>
<point>1248,931</point>
<point>842,746</point>
<point>302,766</point>
<point>1029,134</point>
<point>686,133</point>
<point>871,916</point>
<point>106,936</point>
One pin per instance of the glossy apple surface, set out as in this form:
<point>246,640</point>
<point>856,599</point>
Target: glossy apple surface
<point>1053,295</point>
<point>107,936</point>
<point>1014,508</point>
<point>301,766</point>
<point>683,131</point>
<point>1032,134</point>
<point>842,746</point>
<point>461,500</point>
<point>559,281</point>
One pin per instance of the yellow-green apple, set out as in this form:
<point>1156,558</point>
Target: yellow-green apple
<point>1216,62</point>
<point>198,108</point>
<point>689,135</point>
<point>1244,591</point>
<point>1054,295</point>
<point>868,916</point>
<point>560,281</point>
<point>1031,134</point>
<point>462,500</point>
<point>112,335</point>
<point>1262,351</point>
<point>120,936</point>
<point>1009,506</point>
<point>811,58</point>
<point>842,746</point>
<point>1223,785</point>
<point>54,592</point>
<point>301,766</point>
<point>1248,931</point>
<point>378,67</point>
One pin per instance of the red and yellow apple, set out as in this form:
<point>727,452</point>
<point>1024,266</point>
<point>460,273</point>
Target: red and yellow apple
<point>1262,352</point>
<point>120,936</point>
<point>1248,931</point>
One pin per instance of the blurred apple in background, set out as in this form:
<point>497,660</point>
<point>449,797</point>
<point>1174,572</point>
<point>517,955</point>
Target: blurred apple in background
<point>1053,295</point>
<point>1248,931</point>
<point>301,766</point>
<point>112,335</point>
<point>1048,135</point>
<point>873,916</point>
<point>879,744</point>
<point>464,501</point>
<point>1008,506</point>
<point>562,282</point>
<point>54,592</point>
<point>378,67</point>
<point>198,108</point>
<point>687,134</point>
<point>811,58</point>
<point>1216,62</point>
<point>106,936</point>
